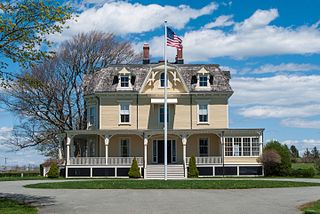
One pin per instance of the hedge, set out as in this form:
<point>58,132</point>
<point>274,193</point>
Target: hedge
<point>18,174</point>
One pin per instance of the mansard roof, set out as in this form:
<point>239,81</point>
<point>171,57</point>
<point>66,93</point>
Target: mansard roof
<point>104,79</point>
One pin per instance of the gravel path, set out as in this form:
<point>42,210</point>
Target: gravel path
<point>268,201</point>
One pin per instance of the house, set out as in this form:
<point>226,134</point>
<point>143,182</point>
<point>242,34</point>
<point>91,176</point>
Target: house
<point>125,115</point>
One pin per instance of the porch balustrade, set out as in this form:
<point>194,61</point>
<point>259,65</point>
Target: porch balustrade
<point>206,160</point>
<point>113,161</point>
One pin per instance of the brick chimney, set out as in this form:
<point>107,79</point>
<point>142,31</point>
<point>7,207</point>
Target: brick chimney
<point>146,57</point>
<point>179,57</point>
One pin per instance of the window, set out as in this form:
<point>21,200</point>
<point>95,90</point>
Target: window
<point>203,147</point>
<point>124,148</point>
<point>237,146</point>
<point>255,146</point>
<point>203,80</point>
<point>246,146</point>
<point>161,114</point>
<point>173,151</point>
<point>124,81</point>
<point>92,115</point>
<point>228,146</point>
<point>155,152</point>
<point>203,113</point>
<point>124,113</point>
<point>162,80</point>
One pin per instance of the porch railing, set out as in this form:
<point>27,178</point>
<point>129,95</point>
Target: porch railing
<point>124,161</point>
<point>113,161</point>
<point>206,160</point>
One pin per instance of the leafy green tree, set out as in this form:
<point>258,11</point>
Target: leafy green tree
<point>134,171</point>
<point>294,151</point>
<point>53,171</point>
<point>315,153</point>
<point>24,27</point>
<point>284,166</point>
<point>193,171</point>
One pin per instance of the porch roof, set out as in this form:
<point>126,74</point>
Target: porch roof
<point>225,132</point>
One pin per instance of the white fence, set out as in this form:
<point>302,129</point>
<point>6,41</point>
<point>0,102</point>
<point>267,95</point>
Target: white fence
<point>114,161</point>
<point>207,160</point>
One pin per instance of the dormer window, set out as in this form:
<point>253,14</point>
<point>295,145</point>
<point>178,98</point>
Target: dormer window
<point>203,80</point>
<point>125,80</point>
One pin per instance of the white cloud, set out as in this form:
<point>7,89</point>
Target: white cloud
<point>252,37</point>
<point>279,90</point>
<point>121,17</point>
<point>301,123</point>
<point>290,67</point>
<point>280,111</point>
<point>221,21</point>
<point>5,133</point>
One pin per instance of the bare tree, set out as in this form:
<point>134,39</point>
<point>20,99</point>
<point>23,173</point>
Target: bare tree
<point>48,98</point>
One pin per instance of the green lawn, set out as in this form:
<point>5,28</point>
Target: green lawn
<point>312,208</point>
<point>170,184</point>
<point>21,178</point>
<point>12,207</point>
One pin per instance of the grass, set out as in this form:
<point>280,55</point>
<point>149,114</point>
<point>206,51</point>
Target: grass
<point>171,184</point>
<point>12,207</point>
<point>311,208</point>
<point>21,178</point>
<point>302,165</point>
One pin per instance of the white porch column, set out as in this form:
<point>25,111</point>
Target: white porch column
<point>145,143</point>
<point>184,144</point>
<point>106,143</point>
<point>68,149</point>
<point>260,144</point>
<point>60,150</point>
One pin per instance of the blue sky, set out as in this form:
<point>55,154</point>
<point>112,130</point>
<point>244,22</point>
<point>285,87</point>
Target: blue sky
<point>271,48</point>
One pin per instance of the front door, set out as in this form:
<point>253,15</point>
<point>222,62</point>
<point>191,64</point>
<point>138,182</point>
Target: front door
<point>158,151</point>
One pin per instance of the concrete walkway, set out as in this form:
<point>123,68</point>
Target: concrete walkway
<point>266,201</point>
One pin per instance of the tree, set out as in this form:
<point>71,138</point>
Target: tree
<point>315,153</point>
<point>193,171</point>
<point>307,157</point>
<point>134,171</point>
<point>294,152</point>
<point>271,161</point>
<point>24,27</point>
<point>49,97</point>
<point>53,171</point>
<point>285,165</point>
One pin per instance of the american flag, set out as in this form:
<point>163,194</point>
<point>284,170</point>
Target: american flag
<point>173,40</point>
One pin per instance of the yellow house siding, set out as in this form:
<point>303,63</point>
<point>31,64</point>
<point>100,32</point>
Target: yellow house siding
<point>135,145</point>
<point>193,145</point>
<point>240,160</point>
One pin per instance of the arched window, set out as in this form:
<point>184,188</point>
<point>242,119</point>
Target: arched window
<point>162,80</point>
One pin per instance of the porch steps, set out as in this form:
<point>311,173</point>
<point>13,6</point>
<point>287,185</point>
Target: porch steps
<point>175,171</point>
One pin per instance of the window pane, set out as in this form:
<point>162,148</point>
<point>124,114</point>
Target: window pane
<point>124,148</point>
<point>228,146</point>
<point>162,80</point>
<point>124,113</point>
<point>203,147</point>
<point>161,114</point>
<point>203,113</point>
<point>124,81</point>
<point>255,146</point>
<point>237,146</point>
<point>246,146</point>
<point>203,80</point>
<point>174,151</point>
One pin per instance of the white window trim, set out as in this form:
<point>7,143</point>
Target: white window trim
<point>208,139</point>
<point>89,124</point>
<point>119,82</point>
<point>168,112</point>
<point>251,137</point>
<point>124,102</point>
<point>129,146</point>
<point>168,81</point>
<point>203,102</point>
<point>198,87</point>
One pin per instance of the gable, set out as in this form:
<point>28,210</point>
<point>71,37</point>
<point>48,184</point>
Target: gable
<point>152,83</point>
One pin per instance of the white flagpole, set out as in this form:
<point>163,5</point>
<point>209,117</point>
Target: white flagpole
<point>165,104</point>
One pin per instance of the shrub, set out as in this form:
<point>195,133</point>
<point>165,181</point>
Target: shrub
<point>304,173</point>
<point>134,171</point>
<point>54,171</point>
<point>281,169</point>
<point>193,170</point>
<point>271,161</point>
<point>317,165</point>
